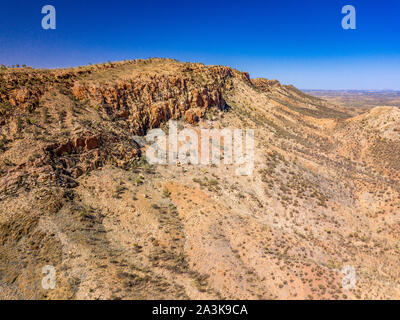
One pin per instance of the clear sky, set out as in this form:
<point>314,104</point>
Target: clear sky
<point>299,42</point>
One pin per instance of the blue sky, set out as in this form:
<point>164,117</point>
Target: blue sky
<point>298,42</point>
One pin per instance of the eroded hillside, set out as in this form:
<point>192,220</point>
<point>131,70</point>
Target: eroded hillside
<point>76,192</point>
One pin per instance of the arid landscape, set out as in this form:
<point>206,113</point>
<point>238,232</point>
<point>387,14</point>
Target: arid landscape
<point>77,193</point>
<point>359,101</point>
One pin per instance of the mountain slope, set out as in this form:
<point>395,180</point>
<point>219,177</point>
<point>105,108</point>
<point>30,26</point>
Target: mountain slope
<point>77,194</point>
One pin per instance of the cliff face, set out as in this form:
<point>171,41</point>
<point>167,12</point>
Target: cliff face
<point>76,192</point>
<point>144,99</point>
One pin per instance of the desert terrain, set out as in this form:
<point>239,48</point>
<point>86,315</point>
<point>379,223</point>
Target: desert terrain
<point>77,193</point>
<point>359,101</point>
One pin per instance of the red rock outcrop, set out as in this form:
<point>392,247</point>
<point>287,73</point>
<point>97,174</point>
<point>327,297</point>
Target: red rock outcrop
<point>144,100</point>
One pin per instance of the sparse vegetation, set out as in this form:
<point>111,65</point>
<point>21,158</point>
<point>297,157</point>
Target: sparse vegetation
<point>77,192</point>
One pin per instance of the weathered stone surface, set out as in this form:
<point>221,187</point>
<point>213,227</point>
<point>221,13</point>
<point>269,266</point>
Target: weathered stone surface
<point>64,148</point>
<point>92,143</point>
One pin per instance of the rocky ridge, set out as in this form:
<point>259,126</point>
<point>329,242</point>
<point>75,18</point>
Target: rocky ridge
<point>76,192</point>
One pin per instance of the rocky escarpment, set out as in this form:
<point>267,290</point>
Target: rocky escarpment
<point>78,120</point>
<point>147,101</point>
<point>265,84</point>
<point>144,99</point>
<point>139,95</point>
<point>60,163</point>
<point>76,194</point>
